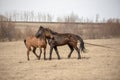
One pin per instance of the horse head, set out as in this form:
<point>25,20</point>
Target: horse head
<point>39,32</point>
<point>47,33</point>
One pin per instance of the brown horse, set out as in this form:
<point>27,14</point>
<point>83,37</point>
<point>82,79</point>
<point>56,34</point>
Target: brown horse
<point>59,39</point>
<point>36,43</point>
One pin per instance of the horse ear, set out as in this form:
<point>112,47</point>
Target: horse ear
<point>40,27</point>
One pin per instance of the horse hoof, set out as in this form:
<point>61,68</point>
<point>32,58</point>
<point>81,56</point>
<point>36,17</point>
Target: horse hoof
<point>38,58</point>
<point>79,58</point>
<point>50,59</point>
<point>68,57</point>
<point>45,59</point>
<point>59,58</point>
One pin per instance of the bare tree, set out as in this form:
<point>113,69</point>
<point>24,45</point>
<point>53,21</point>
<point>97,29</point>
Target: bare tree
<point>71,18</point>
<point>39,16</point>
<point>14,16</point>
<point>59,19</point>
<point>49,18</point>
<point>44,18</point>
<point>26,17</point>
<point>97,17</point>
<point>31,15</point>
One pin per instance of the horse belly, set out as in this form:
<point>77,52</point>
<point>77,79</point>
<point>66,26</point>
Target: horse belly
<point>62,41</point>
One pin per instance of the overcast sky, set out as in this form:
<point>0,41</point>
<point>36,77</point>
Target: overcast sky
<point>86,8</point>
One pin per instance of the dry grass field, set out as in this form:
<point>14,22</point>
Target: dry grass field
<point>99,63</point>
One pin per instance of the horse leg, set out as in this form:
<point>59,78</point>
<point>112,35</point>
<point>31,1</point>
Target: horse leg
<point>56,50</point>
<point>44,53</point>
<point>72,49</point>
<point>40,53</point>
<point>28,54</point>
<point>77,49</point>
<point>51,49</point>
<point>34,49</point>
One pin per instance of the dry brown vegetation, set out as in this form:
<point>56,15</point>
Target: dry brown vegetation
<point>99,63</point>
<point>9,32</point>
<point>19,30</point>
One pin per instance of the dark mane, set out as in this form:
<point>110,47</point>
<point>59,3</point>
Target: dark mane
<point>53,32</point>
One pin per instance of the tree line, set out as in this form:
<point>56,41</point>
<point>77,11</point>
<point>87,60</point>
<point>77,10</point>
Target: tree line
<point>88,30</point>
<point>47,17</point>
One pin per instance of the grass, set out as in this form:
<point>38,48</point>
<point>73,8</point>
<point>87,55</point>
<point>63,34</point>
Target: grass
<point>99,63</point>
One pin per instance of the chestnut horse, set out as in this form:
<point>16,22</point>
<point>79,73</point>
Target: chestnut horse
<point>36,43</point>
<point>59,39</point>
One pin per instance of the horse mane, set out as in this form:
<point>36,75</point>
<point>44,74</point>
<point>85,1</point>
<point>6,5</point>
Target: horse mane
<point>51,31</point>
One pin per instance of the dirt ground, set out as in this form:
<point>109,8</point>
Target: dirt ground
<point>99,63</point>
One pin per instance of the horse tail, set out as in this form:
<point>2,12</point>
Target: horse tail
<point>82,46</point>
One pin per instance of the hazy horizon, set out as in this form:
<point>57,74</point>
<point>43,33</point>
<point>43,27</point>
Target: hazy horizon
<point>83,8</point>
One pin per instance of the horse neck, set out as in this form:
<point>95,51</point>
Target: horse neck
<point>42,37</point>
<point>54,32</point>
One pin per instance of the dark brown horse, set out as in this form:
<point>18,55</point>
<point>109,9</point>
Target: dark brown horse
<point>36,43</point>
<point>59,39</point>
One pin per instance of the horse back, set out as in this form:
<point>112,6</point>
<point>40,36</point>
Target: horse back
<point>35,42</point>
